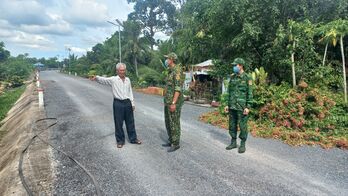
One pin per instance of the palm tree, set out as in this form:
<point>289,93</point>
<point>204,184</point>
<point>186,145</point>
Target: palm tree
<point>135,45</point>
<point>293,40</point>
<point>342,29</point>
<point>332,31</point>
<point>329,35</point>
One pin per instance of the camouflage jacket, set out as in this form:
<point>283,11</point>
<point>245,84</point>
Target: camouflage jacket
<point>240,92</point>
<point>174,83</point>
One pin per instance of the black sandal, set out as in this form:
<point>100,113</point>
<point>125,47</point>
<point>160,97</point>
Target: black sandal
<point>136,142</point>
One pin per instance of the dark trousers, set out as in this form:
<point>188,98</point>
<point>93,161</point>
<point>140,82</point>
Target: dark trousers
<point>238,118</point>
<point>172,121</point>
<point>123,111</point>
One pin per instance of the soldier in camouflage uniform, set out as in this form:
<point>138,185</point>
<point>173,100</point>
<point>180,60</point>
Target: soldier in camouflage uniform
<point>239,103</point>
<point>173,101</point>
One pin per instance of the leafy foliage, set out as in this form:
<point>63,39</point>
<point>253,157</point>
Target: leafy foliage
<point>4,54</point>
<point>14,70</point>
<point>7,99</point>
<point>154,16</point>
<point>265,33</point>
<point>150,77</point>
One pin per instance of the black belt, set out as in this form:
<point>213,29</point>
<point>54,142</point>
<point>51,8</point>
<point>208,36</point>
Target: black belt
<point>121,100</point>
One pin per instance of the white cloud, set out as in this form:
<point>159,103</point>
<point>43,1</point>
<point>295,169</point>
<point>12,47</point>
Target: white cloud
<point>37,46</point>
<point>4,33</point>
<point>22,39</point>
<point>23,12</point>
<point>86,12</point>
<point>89,39</point>
<point>76,50</point>
<point>57,27</point>
<point>31,21</point>
<point>41,27</point>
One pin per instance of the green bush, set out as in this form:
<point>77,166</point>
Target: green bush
<point>156,62</point>
<point>150,77</point>
<point>133,78</point>
<point>92,72</point>
<point>16,81</point>
<point>264,94</point>
<point>15,66</point>
<point>8,98</point>
<point>305,109</point>
<point>326,77</point>
<point>97,68</point>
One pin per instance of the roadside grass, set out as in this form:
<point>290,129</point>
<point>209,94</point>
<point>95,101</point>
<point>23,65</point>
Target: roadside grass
<point>289,136</point>
<point>7,100</point>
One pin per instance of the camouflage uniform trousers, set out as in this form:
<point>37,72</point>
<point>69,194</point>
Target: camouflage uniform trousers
<point>172,121</point>
<point>236,118</point>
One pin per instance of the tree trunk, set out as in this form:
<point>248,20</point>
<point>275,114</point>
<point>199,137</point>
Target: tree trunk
<point>136,66</point>
<point>344,70</point>
<point>293,65</point>
<point>152,34</point>
<point>327,44</point>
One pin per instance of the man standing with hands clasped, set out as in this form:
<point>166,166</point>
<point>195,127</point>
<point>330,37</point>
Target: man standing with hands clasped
<point>239,102</point>
<point>173,101</point>
<point>123,105</point>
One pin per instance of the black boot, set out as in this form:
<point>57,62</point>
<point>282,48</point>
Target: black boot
<point>173,148</point>
<point>232,145</point>
<point>241,148</point>
<point>166,145</point>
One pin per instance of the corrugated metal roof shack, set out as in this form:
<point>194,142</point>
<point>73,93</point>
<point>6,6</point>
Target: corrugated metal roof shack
<point>202,86</point>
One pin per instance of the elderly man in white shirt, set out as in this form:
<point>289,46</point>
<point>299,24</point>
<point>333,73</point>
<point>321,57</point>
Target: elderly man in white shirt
<point>123,105</point>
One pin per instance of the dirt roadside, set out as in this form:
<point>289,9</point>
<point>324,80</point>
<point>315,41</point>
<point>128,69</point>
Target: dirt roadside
<point>20,127</point>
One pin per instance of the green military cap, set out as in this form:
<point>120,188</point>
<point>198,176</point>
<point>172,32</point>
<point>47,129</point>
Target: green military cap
<point>238,61</point>
<point>171,55</point>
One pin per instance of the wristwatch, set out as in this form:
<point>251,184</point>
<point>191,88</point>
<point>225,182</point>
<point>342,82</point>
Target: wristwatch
<point>173,103</point>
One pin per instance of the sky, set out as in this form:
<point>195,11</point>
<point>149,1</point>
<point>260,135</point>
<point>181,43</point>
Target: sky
<point>46,28</point>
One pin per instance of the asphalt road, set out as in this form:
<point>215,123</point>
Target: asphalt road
<point>202,166</point>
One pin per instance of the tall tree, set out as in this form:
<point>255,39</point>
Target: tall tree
<point>135,44</point>
<point>225,29</point>
<point>342,28</point>
<point>52,62</point>
<point>154,16</point>
<point>332,32</point>
<point>95,55</point>
<point>4,54</point>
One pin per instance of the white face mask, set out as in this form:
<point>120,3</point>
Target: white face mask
<point>166,63</point>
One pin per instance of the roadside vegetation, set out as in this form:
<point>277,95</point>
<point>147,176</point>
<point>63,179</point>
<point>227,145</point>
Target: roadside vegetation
<point>14,71</point>
<point>7,100</point>
<point>297,116</point>
<point>295,51</point>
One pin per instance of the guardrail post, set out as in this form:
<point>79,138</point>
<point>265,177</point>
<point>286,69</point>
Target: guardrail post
<point>41,99</point>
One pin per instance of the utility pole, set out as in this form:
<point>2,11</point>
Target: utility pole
<point>69,49</point>
<point>119,37</point>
